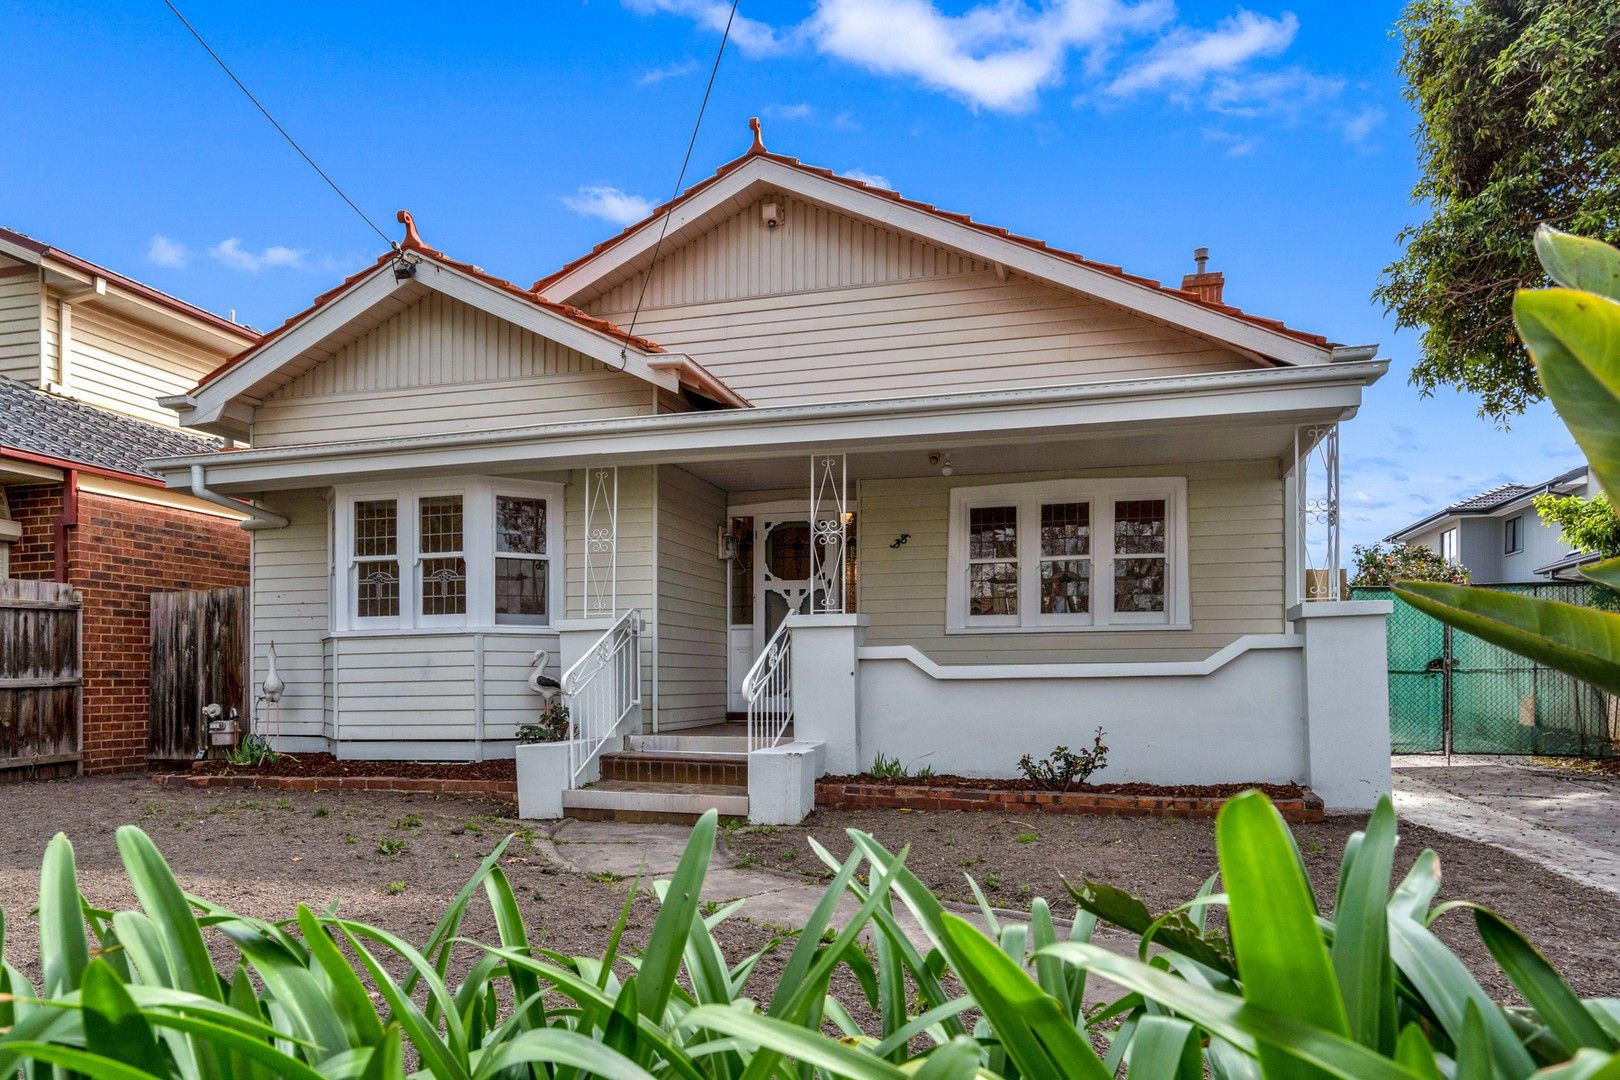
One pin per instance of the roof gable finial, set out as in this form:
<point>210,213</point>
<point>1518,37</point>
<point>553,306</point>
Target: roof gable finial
<point>759,136</point>
<point>412,238</point>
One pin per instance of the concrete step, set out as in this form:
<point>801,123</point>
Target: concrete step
<point>640,800</point>
<point>677,767</point>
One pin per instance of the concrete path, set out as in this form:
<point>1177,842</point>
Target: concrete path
<point>772,898</point>
<point>1564,819</point>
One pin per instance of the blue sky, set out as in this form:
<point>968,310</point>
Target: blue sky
<point>1129,130</point>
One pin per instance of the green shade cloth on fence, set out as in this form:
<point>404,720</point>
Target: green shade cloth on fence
<point>1496,702</point>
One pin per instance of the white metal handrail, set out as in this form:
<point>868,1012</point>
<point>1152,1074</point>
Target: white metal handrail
<point>600,690</point>
<point>768,689</point>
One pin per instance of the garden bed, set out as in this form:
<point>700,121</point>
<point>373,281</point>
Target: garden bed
<point>325,772</point>
<point>1018,796</point>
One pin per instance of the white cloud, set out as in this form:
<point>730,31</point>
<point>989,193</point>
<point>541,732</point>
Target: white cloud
<point>1233,145</point>
<point>608,203</point>
<point>750,35</point>
<point>1289,92</point>
<point>1187,57</point>
<point>798,111</point>
<point>231,253</point>
<point>865,177</point>
<point>994,55</point>
<point>673,71</point>
<point>166,252</point>
<point>1361,125</point>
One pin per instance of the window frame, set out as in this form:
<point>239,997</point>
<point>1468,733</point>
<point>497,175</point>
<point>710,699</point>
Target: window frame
<point>1513,535</point>
<point>1454,533</point>
<point>1101,494</point>
<point>478,495</point>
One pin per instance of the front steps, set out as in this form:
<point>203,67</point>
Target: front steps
<point>671,777</point>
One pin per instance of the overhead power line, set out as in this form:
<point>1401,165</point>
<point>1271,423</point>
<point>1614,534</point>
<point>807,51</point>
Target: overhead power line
<point>284,133</point>
<point>680,179</point>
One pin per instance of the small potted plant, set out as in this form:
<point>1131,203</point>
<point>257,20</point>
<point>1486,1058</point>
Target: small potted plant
<point>542,761</point>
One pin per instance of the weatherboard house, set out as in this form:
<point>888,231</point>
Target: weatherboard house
<point>874,477</point>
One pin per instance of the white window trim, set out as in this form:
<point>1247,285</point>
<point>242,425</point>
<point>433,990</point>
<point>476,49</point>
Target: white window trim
<point>478,543</point>
<point>1101,494</point>
<point>1506,551</point>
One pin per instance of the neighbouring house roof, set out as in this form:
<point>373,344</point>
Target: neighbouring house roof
<point>47,425</point>
<point>27,249</point>
<point>1489,501</point>
<point>605,341</point>
<point>757,154</point>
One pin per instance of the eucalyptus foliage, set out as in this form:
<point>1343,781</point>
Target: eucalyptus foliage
<point>136,994</point>
<point>1516,127</point>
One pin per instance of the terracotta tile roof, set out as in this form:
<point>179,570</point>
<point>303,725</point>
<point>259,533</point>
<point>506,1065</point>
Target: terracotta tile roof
<point>758,151</point>
<point>413,243</point>
<point>156,296</point>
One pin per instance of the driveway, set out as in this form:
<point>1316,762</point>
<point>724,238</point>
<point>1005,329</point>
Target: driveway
<point>1566,819</point>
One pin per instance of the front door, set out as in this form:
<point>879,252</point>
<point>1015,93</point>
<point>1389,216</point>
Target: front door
<point>770,580</point>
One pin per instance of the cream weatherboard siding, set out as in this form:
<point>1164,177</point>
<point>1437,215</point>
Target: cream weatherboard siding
<point>120,364</point>
<point>828,309</point>
<point>385,689</point>
<point>637,540</point>
<point>291,603</point>
<point>691,602</point>
<point>1235,540</point>
<point>443,366</point>
<point>20,327</point>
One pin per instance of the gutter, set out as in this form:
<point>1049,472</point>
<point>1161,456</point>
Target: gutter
<point>257,517</point>
<point>1362,373</point>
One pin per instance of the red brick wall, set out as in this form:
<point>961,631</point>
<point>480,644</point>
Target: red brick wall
<point>120,553</point>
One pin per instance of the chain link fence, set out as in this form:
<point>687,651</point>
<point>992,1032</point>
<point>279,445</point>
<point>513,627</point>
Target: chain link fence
<point>1450,692</point>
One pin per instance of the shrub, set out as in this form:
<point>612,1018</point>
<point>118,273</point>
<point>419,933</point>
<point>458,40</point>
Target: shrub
<point>251,752</point>
<point>552,726</point>
<point>1063,768</point>
<point>1371,993</point>
<point>1380,565</point>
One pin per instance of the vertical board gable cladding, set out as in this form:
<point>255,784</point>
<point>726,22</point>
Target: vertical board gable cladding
<point>828,308</point>
<point>444,366</point>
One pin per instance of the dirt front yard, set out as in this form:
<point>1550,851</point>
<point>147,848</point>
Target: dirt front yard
<point>393,860</point>
<point>1164,861</point>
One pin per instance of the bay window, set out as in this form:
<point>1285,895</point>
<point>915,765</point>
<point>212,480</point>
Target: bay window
<point>1068,555</point>
<point>473,553</point>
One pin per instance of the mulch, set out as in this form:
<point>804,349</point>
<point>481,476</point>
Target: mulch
<point>993,783</point>
<point>326,766</point>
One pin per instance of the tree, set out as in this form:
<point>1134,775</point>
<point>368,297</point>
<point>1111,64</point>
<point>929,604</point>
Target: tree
<point>1517,127</point>
<point>1588,525</point>
<point>1381,567</point>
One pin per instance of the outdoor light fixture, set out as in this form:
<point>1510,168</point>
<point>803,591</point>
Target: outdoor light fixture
<point>404,270</point>
<point>770,214</point>
<point>941,461</point>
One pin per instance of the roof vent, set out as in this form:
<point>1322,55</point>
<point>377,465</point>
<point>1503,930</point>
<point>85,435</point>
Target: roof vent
<point>1204,283</point>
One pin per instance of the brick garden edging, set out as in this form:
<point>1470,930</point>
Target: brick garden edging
<point>842,796</point>
<point>402,785</point>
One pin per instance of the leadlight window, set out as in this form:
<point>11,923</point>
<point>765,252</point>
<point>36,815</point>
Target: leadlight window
<point>993,561</point>
<point>522,565</point>
<point>1071,554</point>
<point>376,559</point>
<point>1139,556</point>
<point>441,544</point>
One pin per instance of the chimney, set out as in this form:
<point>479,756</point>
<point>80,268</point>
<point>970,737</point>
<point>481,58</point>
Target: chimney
<point>1205,284</point>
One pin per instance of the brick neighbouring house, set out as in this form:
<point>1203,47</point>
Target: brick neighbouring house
<point>84,353</point>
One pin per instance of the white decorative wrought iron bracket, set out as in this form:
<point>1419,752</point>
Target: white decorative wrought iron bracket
<point>601,542</point>
<point>829,506</point>
<point>1316,500</point>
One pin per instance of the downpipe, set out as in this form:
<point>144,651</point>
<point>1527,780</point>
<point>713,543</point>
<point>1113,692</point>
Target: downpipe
<point>257,517</point>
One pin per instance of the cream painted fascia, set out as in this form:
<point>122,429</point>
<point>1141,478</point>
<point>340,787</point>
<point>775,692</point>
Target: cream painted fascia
<point>761,173</point>
<point>208,404</point>
<point>153,496</point>
<point>1331,392</point>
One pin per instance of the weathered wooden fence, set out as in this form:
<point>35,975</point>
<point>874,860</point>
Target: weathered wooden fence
<point>41,679</point>
<point>197,660</point>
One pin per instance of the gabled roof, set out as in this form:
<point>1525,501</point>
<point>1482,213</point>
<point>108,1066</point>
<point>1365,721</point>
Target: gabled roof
<point>25,248</point>
<point>598,338</point>
<point>759,167</point>
<point>1490,501</point>
<point>37,422</point>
